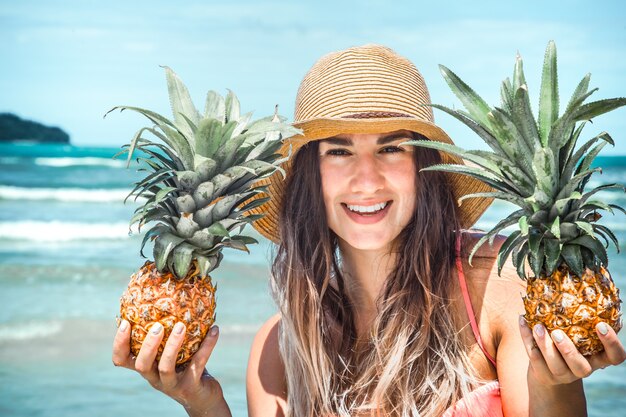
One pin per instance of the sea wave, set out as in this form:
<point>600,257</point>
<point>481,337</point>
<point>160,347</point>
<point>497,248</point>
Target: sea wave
<point>84,161</point>
<point>28,331</point>
<point>58,231</point>
<point>98,195</point>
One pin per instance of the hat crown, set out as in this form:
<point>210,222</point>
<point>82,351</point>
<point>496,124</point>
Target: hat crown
<point>369,79</point>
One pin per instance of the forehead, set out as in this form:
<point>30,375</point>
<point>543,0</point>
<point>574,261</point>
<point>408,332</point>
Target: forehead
<point>379,138</point>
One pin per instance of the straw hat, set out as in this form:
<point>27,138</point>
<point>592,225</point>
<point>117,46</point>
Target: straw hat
<point>365,89</point>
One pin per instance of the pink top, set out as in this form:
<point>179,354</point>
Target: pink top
<point>484,401</point>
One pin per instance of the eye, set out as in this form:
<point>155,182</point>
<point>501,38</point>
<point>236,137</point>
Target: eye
<point>391,149</point>
<point>337,152</point>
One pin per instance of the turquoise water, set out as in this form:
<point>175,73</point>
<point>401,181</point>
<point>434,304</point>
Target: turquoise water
<point>65,258</point>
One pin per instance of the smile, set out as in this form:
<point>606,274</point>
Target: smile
<point>367,210</point>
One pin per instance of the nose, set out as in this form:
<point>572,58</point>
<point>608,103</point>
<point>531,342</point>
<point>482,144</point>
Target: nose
<point>367,177</point>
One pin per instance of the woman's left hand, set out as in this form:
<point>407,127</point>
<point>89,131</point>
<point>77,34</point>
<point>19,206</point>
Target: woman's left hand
<point>555,360</point>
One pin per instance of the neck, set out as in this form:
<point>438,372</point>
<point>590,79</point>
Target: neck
<point>365,273</point>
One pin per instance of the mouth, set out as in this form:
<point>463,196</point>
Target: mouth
<point>369,210</point>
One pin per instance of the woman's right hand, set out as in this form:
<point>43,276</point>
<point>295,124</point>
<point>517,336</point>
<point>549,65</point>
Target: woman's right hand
<point>193,387</point>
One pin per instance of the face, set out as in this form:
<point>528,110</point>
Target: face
<point>368,184</point>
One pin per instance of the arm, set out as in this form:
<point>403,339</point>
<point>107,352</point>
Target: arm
<point>265,382</point>
<point>194,388</point>
<point>523,394</point>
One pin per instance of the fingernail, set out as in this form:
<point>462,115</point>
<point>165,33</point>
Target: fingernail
<point>558,336</point>
<point>123,326</point>
<point>603,328</point>
<point>522,321</point>
<point>539,330</point>
<point>156,328</point>
<point>179,327</point>
<point>214,330</point>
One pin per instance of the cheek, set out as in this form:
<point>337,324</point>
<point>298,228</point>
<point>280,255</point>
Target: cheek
<point>406,188</point>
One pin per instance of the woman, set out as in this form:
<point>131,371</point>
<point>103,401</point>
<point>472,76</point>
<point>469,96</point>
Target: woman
<point>379,312</point>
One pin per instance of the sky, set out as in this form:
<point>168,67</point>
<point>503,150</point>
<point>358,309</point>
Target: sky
<point>65,63</point>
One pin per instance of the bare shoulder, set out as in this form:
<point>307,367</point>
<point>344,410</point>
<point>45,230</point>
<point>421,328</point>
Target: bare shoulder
<point>265,380</point>
<point>500,293</point>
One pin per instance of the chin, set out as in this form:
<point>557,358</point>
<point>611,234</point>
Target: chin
<point>369,243</point>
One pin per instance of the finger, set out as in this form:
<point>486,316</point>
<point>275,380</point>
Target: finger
<point>532,350</point>
<point>536,360</point>
<point>201,357</point>
<point>574,360</point>
<point>121,346</point>
<point>552,356</point>
<point>613,348</point>
<point>167,364</point>
<point>145,363</point>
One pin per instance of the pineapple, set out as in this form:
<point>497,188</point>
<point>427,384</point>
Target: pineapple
<point>537,166</point>
<point>200,184</point>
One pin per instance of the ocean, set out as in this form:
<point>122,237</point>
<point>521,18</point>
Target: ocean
<point>66,253</point>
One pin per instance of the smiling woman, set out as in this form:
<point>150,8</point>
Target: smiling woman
<point>380,312</point>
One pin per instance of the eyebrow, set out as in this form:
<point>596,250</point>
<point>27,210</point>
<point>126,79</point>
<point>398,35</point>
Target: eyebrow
<point>383,140</point>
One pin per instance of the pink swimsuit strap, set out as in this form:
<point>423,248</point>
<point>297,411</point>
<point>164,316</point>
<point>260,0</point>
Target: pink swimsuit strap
<point>468,301</point>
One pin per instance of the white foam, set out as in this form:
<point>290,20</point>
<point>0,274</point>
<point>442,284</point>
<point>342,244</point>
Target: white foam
<point>28,331</point>
<point>84,161</point>
<point>57,231</point>
<point>63,194</point>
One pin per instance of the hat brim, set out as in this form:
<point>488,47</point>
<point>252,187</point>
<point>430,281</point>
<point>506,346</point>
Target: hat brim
<point>323,128</point>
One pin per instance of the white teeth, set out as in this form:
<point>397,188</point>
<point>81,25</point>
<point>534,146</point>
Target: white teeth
<point>367,209</point>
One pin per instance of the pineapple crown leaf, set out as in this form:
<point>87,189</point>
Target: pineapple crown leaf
<point>475,105</point>
<point>148,182</point>
<point>170,136</point>
<point>201,176</point>
<point>215,106</point>
<point>537,165</point>
<point>471,156</point>
<point>478,128</point>
<point>523,118</point>
<point>508,136</point>
<point>594,246</point>
<point>605,232</point>
<point>490,235</point>
<point>512,241</point>
<point>596,108</point>
<point>152,233</point>
<point>549,94</point>
<point>183,108</point>
<point>580,93</point>
<point>182,256</point>
<point>164,243</point>
<point>480,174</point>
<point>232,107</point>
<point>499,195</point>
<point>552,249</point>
<point>572,163</point>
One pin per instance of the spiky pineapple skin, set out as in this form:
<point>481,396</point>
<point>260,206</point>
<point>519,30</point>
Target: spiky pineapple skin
<point>574,305</point>
<point>153,297</point>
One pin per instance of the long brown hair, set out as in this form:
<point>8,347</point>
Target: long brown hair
<point>415,362</point>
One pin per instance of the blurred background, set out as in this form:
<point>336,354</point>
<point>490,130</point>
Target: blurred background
<point>65,248</point>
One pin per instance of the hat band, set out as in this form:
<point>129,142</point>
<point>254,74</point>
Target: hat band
<point>375,115</point>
